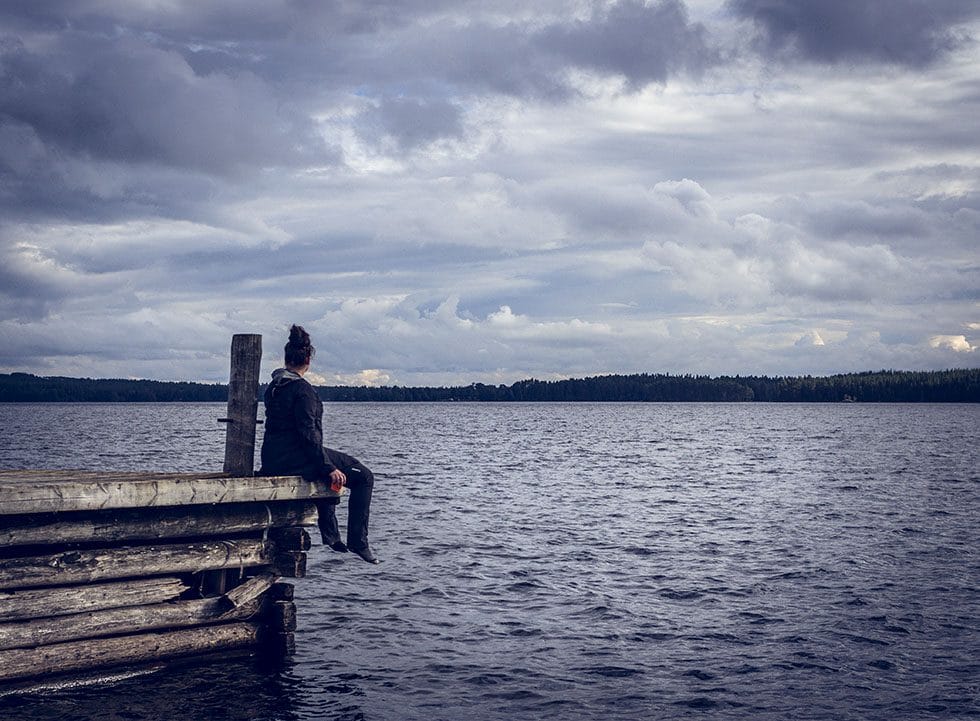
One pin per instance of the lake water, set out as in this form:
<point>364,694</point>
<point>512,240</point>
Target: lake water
<point>592,561</point>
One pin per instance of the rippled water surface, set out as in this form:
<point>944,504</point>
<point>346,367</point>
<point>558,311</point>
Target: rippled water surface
<point>593,561</point>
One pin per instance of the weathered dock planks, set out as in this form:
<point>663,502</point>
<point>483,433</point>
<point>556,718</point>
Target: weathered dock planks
<point>84,566</point>
<point>106,569</point>
<point>66,600</point>
<point>23,492</point>
<point>84,589</point>
<point>60,658</point>
<point>116,621</point>
<point>153,524</point>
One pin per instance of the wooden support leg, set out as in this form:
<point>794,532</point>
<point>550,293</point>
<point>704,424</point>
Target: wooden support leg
<point>290,564</point>
<point>278,644</point>
<point>212,583</point>
<point>282,591</point>
<point>282,616</point>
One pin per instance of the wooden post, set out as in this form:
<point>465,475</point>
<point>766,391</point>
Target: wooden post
<point>243,384</point>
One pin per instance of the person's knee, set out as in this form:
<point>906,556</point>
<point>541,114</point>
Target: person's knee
<point>359,476</point>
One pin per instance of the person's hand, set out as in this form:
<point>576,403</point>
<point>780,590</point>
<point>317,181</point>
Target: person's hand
<point>337,479</point>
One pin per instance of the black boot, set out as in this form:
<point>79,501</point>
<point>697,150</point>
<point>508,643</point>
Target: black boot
<point>366,554</point>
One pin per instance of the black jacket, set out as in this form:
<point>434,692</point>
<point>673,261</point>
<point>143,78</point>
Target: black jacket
<point>293,443</point>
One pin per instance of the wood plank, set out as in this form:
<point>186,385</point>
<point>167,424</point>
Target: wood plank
<point>73,656</point>
<point>152,524</point>
<point>20,495</point>
<point>83,566</point>
<point>249,590</point>
<point>68,474</point>
<point>134,619</point>
<point>66,600</point>
<point>243,386</point>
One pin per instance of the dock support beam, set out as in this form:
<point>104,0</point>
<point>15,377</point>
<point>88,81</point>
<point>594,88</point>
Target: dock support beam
<point>243,384</point>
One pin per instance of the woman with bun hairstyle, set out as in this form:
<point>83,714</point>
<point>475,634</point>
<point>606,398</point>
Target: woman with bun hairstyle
<point>293,445</point>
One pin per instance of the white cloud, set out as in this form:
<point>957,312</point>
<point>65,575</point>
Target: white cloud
<point>373,377</point>
<point>810,338</point>
<point>957,343</point>
<point>689,194</point>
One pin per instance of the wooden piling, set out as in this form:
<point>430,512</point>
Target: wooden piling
<point>243,384</point>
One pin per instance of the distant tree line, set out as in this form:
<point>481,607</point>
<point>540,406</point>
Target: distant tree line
<point>949,386</point>
<point>19,387</point>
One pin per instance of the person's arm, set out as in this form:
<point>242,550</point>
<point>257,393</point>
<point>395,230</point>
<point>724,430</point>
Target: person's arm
<point>306,416</point>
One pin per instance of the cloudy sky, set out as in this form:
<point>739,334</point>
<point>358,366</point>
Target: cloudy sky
<point>450,191</point>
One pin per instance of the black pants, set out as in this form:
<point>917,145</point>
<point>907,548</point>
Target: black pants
<point>360,483</point>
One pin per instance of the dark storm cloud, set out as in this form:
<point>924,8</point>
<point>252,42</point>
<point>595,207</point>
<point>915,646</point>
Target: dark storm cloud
<point>644,43</point>
<point>349,258</point>
<point>22,296</point>
<point>230,20</point>
<point>228,88</point>
<point>31,186</point>
<point>907,32</point>
<point>365,44</point>
<point>412,122</point>
<point>860,219</point>
<point>125,100</point>
<point>101,124</point>
<point>40,181</point>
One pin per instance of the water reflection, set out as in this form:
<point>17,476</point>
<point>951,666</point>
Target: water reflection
<point>220,688</point>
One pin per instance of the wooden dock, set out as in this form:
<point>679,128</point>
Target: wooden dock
<point>101,570</point>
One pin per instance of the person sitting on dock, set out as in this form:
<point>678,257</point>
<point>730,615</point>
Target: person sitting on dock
<point>293,445</point>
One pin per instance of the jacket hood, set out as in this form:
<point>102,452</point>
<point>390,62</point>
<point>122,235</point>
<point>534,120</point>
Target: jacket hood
<point>282,376</point>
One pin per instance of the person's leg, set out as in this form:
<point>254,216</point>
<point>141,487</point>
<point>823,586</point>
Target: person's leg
<point>327,521</point>
<point>360,482</point>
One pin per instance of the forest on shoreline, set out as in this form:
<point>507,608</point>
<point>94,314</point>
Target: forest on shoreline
<point>886,386</point>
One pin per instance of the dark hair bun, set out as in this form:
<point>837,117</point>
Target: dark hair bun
<point>298,337</point>
<point>299,349</point>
